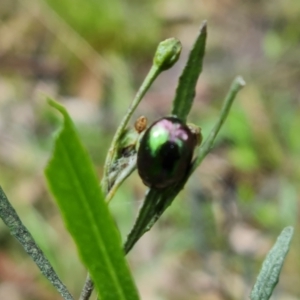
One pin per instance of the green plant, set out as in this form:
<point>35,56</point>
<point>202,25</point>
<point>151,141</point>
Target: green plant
<point>83,203</point>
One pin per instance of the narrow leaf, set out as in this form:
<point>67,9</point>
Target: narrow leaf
<point>154,205</point>
<point>235,87</point>
<point>185,92</point>
<point>75,186</point>
<point>272,265</point>
<point>22,234</point>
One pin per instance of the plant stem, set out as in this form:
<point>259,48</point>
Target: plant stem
<point>87,288</point>
<point>122,176</point>
<point>144,217</point>
<point>235,87</point>
<point>166,55</point>
<point>152,75</point>
<point>20,232</point>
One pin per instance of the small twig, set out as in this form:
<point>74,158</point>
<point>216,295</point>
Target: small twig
<point>20,232</point>
<point>87,289</point>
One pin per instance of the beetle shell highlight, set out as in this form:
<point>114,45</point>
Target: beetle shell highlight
<point>165,152</point>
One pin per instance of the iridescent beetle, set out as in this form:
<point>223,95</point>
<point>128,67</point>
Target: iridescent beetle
<point>165,151</point>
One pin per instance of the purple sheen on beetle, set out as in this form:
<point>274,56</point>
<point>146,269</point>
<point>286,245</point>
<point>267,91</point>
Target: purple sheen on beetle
<point>165,152</point>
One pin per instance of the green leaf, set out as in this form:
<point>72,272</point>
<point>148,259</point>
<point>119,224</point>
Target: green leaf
<point>74,184</point>
<point>272,265</point>
<point>185,92</point>
<point>155,203</point>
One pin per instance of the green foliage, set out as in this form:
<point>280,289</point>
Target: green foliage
<point>73,181</point>
<point>264,144</point>
<point>185,92</point>
<point>156,201</point>
<point>272,265</point>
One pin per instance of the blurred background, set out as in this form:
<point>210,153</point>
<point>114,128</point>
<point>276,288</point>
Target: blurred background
<point>92,56</point>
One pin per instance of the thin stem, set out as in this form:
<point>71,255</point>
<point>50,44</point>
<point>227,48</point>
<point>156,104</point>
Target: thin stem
<point>166,55</point>
<point>20,232</point>
<point>145,215</point>
<point>122,176</point>
<point>87,289</point>
<point>235,87</point>
<point>152,75</point>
